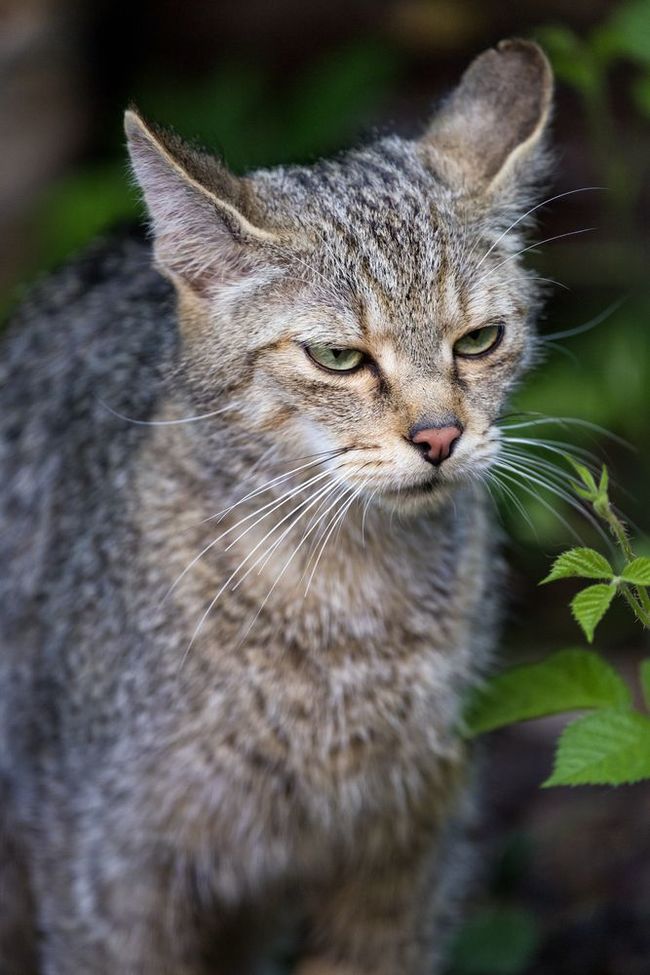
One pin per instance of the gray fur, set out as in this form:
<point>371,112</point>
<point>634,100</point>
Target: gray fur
<point>183,799</point>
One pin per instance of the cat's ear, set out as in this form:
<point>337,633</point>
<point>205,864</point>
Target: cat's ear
<point>490,130</point>
<point>203,217</point>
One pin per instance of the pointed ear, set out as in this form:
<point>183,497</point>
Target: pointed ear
<point>203,217</point>
<point>490,129</point>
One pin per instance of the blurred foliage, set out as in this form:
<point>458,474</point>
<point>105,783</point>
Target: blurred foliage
<point>240,113</point>
<point>585,64</point>
<point>496,940</point>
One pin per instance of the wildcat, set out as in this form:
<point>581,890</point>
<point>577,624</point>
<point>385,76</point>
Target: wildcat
<point>248,566</point>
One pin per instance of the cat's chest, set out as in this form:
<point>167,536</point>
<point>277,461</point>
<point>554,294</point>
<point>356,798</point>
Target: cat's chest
<point>375,647</point>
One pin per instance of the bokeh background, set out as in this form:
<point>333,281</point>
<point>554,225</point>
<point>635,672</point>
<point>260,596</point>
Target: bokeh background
<point>566,884</point>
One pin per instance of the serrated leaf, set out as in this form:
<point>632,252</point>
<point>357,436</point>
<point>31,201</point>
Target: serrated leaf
<point>583,562</point>
<point>565,681</point>
<point>629,30</point>
<point>590,605</point>
<point>637,572</point>
<point>644,674</point>
<point>609,747</point>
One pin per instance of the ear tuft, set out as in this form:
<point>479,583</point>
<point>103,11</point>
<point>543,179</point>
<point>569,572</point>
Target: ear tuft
<point>203,216</point>
<point>493,122</point>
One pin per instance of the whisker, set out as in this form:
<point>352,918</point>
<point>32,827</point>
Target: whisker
<point>551,199</point>
<point>547,475</point>
<point>563,473</point>
<point>587,326</point>
<point>533,494</point>
<point>557,284</point>
<point>309,503</point>
<point>338,518</point>
<point>558,491</point>
<point>286,565</point>
<point>272,505</point>
<point>364,515</point>
<point>325,456</point>
<point>553,446</point>
<point>167,423</point>
<point>541,420</point>
<point>567,353</point>
<point>538,243</point>
<point>275,505</point>
<point>234,573</point>
<point>513,498</point>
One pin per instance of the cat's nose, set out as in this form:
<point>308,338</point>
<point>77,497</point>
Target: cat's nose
<point>435,443</point>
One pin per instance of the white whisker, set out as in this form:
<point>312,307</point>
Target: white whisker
<point>168,423</point>
<point>553,488</point>
<point>510,494</point>
<point>587,326</point>
<point>323,458</point>
<point>234,573</point>
<point>534,494</point>
<point>567,421</point>
<point>271,505</point>
<point>338,518</point>
<point>306,506</point>
<point>538,243</point>
<point>364,515</point>
<point>552,199</point>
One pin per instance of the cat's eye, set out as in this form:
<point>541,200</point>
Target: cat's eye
<point>334,359</point>
<point>479,341</point>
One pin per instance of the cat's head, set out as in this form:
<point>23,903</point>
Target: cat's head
<point>373,305</point>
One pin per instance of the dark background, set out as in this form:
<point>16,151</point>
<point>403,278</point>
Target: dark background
<point>567,879</point>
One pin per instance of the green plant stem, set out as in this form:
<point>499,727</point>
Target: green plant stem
<point>639,601</point>
<point>635,605</point>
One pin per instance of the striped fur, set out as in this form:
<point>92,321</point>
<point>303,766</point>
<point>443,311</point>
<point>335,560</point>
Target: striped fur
<point>239,610</point>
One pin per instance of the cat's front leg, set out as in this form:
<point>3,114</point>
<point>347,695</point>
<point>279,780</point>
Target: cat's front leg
<point>108,907</point>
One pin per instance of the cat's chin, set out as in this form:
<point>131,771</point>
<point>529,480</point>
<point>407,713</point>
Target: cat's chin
<point>416,498</point>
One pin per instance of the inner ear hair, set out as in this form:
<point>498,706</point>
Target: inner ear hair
<point>205,225</point>
<point>491,126</point>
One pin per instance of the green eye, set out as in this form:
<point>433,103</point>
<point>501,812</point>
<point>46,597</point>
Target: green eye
<point>479,341</point>
<point>336,360</point>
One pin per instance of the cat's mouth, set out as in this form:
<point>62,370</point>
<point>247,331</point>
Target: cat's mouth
<point>420,490</point>
<point>413,498</point>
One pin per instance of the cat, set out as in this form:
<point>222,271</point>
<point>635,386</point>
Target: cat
<point>249,569</point>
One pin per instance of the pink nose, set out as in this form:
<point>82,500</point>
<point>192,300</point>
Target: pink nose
<point>437,443</point>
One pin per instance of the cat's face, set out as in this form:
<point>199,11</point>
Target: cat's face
<point>370,310</point>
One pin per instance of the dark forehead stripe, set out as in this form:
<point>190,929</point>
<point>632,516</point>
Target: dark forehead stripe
<point>385,225</point>
<point>383,229</point>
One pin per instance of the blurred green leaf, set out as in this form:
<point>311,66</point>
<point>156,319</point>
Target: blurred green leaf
<point>228,111</point>
<point>338,95</point>
<point>81,206</point>
<point>644,674</point>
<point>237,110</point>
<point>628,31</point>
<point>564,681</point>
<point>610,747</point>
<point>571,58</point>
<point>495,941</point>
<point>641,94</point>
